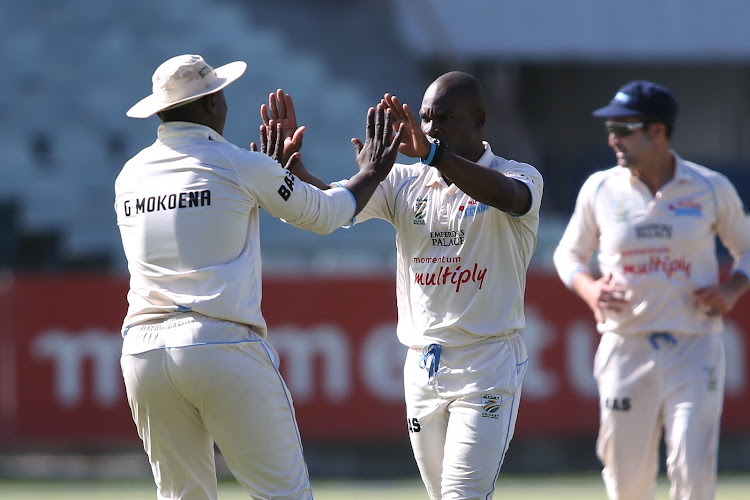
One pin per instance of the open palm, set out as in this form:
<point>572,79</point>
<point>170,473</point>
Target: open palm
<point>414,142</point>
<point>280,112</point>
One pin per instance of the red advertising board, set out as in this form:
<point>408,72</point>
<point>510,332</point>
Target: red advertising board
<point>60,380</point>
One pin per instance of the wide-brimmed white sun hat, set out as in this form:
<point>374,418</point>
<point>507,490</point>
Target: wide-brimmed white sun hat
<point>182,79</point>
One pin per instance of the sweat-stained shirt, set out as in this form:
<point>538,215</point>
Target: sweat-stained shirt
<point>659,248</point>
<point>188,211</point>
<point>461,265</point>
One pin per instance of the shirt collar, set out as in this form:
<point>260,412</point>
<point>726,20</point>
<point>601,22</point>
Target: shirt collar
<point>486,159</point>
<point>681,171</point>
<point>433,175</point>
<point>169,131</point>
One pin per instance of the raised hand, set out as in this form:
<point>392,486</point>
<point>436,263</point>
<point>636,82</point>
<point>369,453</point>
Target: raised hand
<point>280,111</point>
<point>414,143</point>
<point>379,151</point>
<point>271,144</point>
<point>375,157</point>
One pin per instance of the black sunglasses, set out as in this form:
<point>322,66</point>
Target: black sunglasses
<point>623,129</point>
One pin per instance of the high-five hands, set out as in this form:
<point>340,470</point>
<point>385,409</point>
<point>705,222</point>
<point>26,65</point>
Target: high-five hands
<point>379,151</point>
<point>272,144</point>
<point>414,143</point>
<point>280,119</point>
<point>376,156</point>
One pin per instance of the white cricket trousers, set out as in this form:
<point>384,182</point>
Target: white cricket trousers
<point>183,399</point>
<point>461,408</point>
<point>647,384</point>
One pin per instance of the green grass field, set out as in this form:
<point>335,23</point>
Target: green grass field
<point>517,487</point>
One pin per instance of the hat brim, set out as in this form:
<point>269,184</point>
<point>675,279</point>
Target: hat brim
<point>225,75</point>
<point>615,110</point>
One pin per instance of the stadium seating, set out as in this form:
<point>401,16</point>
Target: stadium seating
<point>76,70</point>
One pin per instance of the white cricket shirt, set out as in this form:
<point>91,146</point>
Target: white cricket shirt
<point>187,207</point>
<point>659,248</point>
<point>461,270</point>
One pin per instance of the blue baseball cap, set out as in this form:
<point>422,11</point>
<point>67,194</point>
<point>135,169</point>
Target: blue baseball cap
<point>641,98</point>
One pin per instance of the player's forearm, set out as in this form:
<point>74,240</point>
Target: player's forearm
<point>306,176</point>
<point>362,186</point>
<point>486,185</point>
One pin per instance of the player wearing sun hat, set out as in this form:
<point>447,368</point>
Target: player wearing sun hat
<point>183,79</point>
<point>195,361</point>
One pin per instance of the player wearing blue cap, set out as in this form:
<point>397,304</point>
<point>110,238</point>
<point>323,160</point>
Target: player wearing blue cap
<point>659,302</point>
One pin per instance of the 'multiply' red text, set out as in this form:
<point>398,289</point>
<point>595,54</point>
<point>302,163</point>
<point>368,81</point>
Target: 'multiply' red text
<point>456,276</point>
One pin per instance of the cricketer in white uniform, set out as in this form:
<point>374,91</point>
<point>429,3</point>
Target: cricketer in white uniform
<point>195,362</point>
<point>660,362</point>
<point>460,282</point>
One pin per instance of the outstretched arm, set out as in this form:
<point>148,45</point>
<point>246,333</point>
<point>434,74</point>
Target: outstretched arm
<point>375,157</point>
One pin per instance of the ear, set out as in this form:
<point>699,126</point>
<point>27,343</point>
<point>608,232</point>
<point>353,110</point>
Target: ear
<point>658,129</point>
<point>481,118</point>
<point>209,103</point>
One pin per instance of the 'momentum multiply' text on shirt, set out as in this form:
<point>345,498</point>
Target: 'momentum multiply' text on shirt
<point>451,276</point>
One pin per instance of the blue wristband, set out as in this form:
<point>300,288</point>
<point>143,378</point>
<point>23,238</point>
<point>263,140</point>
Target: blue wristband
<point>430,156</point>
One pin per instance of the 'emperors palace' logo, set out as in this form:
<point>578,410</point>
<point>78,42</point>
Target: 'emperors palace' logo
<point>420,210</point>
<point>690,208</point>
<point>491,404</point>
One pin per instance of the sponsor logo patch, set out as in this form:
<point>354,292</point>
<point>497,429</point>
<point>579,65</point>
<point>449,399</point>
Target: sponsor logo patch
<point>491,404</point>
<point>689,208</point>
<point>649,231</point>
<point>659,264</point>
<point>471,209</point>
<point>420,211</point>
<point>451,276</point>
<point>620,209</point>
<point>447,238</point>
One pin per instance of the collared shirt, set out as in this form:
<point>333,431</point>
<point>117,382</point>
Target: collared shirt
<point>461,270</point>
<point>660,248</point>
<point>188,211</point>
